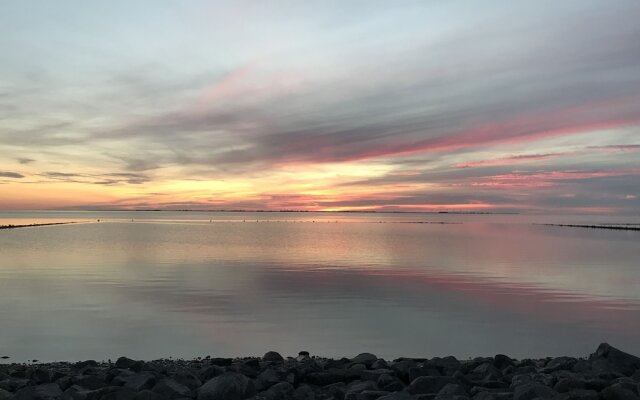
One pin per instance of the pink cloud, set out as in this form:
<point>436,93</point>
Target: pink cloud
<point>511,160</point>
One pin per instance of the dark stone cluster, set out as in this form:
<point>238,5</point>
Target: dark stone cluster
<point>608,374</point>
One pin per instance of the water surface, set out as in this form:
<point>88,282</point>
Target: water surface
<point>186,284</point>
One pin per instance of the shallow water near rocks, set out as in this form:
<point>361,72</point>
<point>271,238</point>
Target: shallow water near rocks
<point>186,284</point>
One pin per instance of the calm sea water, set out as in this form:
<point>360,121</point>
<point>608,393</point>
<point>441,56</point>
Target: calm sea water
<point>187,284</point>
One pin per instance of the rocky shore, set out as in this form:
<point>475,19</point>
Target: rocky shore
<point>607,374</point>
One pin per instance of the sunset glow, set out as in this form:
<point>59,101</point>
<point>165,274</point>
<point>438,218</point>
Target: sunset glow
<point>433,106</point>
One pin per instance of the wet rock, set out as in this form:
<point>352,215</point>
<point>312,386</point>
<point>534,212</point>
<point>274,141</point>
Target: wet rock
<point>228,386</point>
<point>48,391</point>
<point>272,356</point>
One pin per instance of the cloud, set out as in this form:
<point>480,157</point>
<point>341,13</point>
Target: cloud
<point>6,174</point>
<point>97,179</point>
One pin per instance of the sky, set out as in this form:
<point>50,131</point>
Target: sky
<point>431,105</point>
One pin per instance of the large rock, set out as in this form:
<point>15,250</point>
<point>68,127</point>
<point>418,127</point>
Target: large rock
<point>620,391</point>
<point>579,394</point>
<point>4,395</point>
<point>187,378</point>
<point>228,386</point>
<point>429,384</point>
<point>374,374</point>
<point>364,358</point>
<point>120,394</point>
<point>390,383</point>
<point>268,378</point>
<point>485,372</point>
<point>91,382</point>
<point>272,356</point>
<point>558,364</point>
<point>451,390</point>
<point>397,396</point>
<point>623,362</point>
<point>275,392</point>
<point>171,389</point>
<point>124,363</point>
<point>48,391</point>
<point>138,382</point>
<point>531,391</point>
<point>502,361</point>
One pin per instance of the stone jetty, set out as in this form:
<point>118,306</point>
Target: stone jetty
<point>607,374</point>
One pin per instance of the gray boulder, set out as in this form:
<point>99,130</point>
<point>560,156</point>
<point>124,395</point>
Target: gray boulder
<point>171,389</point>
<point>623,362</point>
<point>390,383</point>
<point>124,363</point>
<point>620,391</point>
<point>138,382</point>
<point>121,393</point>
<point>148,395</point>
<point>531,391</point>
<point>397,396</point>
<point>429,384</point>
<point>4,395</point>
<point>451,390</point>
<point>272,356</point>
<point>228,386</point>
<point>579,394</point>
<point>275,392</point>
<point>48,391</point>
<point>364,358</point>
<point>558,364</point>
